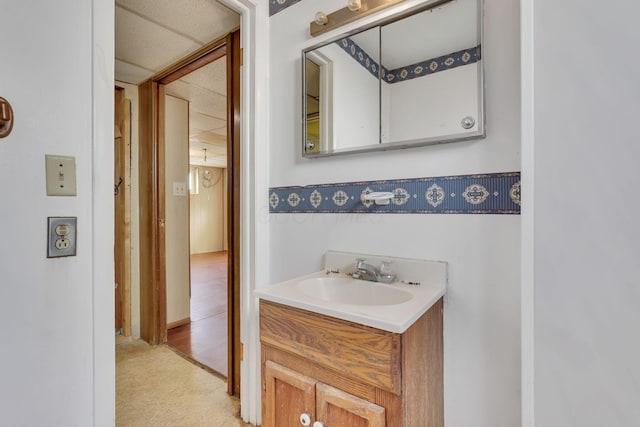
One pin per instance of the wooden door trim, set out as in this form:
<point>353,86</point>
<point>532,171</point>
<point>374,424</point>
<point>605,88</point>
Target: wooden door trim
<point>122,121</point>
<point>233,218</point>
<point>153,312</point>
<point>201,57</point>
<point>153,308</point>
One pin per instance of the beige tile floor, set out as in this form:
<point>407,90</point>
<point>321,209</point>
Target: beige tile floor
<point>156,387</point>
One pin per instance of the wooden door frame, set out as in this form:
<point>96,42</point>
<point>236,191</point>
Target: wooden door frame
<point>153,298</point>
<point>122,213</point>
<point>235,354</point>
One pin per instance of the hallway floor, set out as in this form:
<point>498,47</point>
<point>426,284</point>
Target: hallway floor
<point>157,387</point>
<point>205,338</point>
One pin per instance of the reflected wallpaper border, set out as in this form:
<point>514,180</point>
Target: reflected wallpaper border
<point>411,71</point>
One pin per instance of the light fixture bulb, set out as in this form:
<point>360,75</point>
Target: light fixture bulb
<point>321,18</point>
<point>354,5</point>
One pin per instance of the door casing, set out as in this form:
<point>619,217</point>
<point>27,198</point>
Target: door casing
<point>153,299</point>
<point>122,212</point>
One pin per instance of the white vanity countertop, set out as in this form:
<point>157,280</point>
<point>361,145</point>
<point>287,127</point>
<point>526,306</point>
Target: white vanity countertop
<point>432,276</point>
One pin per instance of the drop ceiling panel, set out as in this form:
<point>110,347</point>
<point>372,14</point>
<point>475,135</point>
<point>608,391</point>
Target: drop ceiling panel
<point>201,20</point>
<point>197,148</point>
<point>179,89</point>
<point>216,154</point>
<point>209,137</point>
<point>204,122</point>
<point>148,45</point>
<point>130,73</point>
<point>212,161</point>
<point>212,77</point>
<point>220,132</point>
<point>208,102</point>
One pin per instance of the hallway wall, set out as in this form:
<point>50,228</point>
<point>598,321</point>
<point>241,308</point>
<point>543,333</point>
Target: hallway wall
<point>581,287</point>
<point>177,209</point>
<point>57,314</point>
<point>207,213</point>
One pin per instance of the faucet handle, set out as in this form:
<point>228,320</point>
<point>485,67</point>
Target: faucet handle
<point>385,267</point>
<point>386,273</point>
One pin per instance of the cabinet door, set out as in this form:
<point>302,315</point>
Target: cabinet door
<point>288,395</point>
<point>335,408</point>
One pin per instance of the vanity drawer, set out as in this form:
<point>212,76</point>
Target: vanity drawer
<point>363,353</point>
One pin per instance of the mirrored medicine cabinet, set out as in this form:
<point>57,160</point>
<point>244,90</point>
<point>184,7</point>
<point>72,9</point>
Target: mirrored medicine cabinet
<point>413,80</point>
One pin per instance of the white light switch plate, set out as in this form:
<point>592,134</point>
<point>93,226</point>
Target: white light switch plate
<point>61,175</point>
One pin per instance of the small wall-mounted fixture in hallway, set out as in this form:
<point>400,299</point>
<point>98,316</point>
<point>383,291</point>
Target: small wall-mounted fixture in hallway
<point>355,9</point>
<point>6,118</point>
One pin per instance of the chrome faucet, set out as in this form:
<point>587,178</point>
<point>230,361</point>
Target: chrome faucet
<point>366,271</point>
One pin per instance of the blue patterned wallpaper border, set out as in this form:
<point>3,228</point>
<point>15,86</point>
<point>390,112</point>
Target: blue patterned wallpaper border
<point>276,6</point>
<point>360,55</point>
<point>433,65</point>
<point>495,193</point>
<point>408,72</point>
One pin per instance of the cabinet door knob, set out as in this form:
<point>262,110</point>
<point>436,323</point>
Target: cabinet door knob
<point>318,424</point>
<point>305,420</point>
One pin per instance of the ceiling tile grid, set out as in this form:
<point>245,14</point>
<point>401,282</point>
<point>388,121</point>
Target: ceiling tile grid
<point>151,35</point>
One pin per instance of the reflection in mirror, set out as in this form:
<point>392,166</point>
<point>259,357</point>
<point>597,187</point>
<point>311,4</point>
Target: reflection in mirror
<point>413,80</point>
<point>313,106</point>
<point>431,73</point>
<point>342,86</point>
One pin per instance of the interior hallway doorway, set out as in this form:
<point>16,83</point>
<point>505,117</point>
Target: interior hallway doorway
<point>149,41</point>
<point>197,231</point>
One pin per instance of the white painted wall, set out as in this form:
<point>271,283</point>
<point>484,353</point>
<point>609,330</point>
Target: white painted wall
<point>482,307</point>
<point>131,93</point>
<point>354,99</point>
<point>57,315</point>
<point>177,209</point>
<point>207,224</point>
<point>581,239</point>
<point>432,105</point>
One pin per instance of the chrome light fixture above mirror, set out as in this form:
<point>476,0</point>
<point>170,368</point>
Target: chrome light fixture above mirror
<point>354,5</point>
<point>355,9</point>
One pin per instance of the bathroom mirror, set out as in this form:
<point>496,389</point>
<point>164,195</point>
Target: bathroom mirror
<point>413,80</point>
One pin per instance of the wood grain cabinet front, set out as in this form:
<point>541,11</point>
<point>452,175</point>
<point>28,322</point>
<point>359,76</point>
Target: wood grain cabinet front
<point>320,371</point>
<point>294,400</point>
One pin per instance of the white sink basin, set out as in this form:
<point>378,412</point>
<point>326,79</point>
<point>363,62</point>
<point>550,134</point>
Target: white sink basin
<point>342,290</point>
<point>390,307</point>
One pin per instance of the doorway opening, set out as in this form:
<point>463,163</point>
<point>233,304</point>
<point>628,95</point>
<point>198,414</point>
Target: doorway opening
<point>200,332</point>
<point>158,246</point>
<point>149,44</point>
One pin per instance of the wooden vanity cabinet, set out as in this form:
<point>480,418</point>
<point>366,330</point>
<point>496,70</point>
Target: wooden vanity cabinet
<point>343,374</point>
<point>290,395</point>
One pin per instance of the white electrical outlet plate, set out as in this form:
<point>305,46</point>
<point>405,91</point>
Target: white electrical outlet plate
<point>179,188</point>
<point>61,175</point>
<point>61,236</point>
